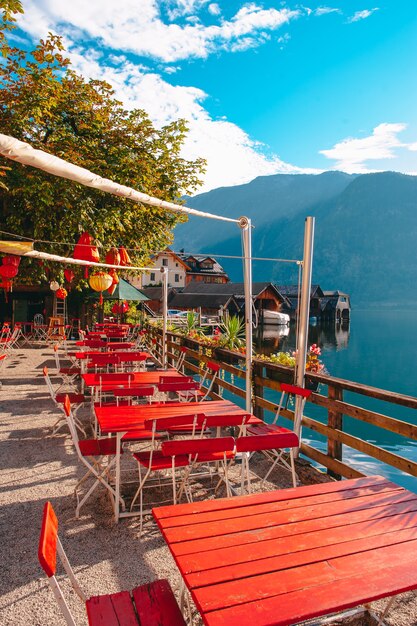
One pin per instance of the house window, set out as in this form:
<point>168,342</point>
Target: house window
<point>152,277</point>
<point>165,262</point>
<point>177,278</point>
<point>176,264</point>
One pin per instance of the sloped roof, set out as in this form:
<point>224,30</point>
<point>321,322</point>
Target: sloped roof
<point>216,269</point>
<point>155,293</point>
<point>231,289</point>
<point>194,300</point>
<point>291,291</point>
<point>124,291</point>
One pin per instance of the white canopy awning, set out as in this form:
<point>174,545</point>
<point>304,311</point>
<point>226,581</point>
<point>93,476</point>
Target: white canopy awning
<point>25,249</point>
<point>22,152</point>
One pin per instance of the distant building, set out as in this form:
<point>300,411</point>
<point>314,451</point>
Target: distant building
<point>324,305</point>
<point>215,298</point>
<point>155,297</point>
<point>203,269</point>
<point>335,305</point>
<point>175,266</point>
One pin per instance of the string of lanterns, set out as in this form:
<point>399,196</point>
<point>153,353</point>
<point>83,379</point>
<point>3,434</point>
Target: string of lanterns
<point>84,250</point>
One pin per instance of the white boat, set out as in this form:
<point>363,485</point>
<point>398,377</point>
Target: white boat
<point>275,317</point>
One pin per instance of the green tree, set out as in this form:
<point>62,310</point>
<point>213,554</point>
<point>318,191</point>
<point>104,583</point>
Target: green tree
<point>46,103</point>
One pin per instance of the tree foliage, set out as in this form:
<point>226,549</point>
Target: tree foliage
<point>45,102</point>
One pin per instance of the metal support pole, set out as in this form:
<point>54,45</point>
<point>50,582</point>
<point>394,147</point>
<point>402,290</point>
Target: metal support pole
<point>303,322</point>
<point>164,276</point>
<point>246,226</point>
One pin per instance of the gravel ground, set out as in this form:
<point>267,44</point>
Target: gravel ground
<point>37,467</point>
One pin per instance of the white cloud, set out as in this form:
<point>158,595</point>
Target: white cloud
<point>138,27</point>
<point>362,15</point>
<point>326,10</point>
<point>233,158</point>
<point>214,8</point>
<point>351,155</point>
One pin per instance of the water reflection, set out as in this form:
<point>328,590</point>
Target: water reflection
<point>329,336</point>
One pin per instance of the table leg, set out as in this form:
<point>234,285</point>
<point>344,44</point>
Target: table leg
<point>117,486</point>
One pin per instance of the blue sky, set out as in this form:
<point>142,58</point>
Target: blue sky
<point>267,87</point>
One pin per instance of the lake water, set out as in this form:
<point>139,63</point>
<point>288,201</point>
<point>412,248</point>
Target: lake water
<point>377,349</point>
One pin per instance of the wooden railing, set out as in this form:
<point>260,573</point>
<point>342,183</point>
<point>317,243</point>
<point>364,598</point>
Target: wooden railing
<point>267,378</point>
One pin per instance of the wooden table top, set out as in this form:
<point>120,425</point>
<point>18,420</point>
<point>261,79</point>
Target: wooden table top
<point>125,418</point>
<point>281,557</point>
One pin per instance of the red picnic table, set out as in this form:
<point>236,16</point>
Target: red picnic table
<point>120,420</point>
<point>282,557</point>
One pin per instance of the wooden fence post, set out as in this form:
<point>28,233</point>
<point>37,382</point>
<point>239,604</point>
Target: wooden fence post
<point>335,420</point>
<point>258,390</point>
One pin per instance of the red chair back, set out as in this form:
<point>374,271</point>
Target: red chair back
<point>95,343</point>
<point>117,378</point>
<point>295,390</point>
<point>48,540</point>
<point>176,379</point>
<point>164,423</point>
<point>178,386</point>
<point>131,356</point>
<point>213,366</point>
<point>140,392</point>
<point>103,359</point>
<point>198,446</point>
<point>222,421</point>
<point>267,442</point>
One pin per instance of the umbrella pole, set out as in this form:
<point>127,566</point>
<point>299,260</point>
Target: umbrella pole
<point>164,275</point>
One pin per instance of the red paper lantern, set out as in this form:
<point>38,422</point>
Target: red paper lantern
<point>11,260</point>
<point>124,257</point>
<point>69,275</point>
<point>112,289</point>
<point>85,251</point>
<point>113,257</point>
<point>61,293</point>
<point>115,309</point>
<point>8,271</point>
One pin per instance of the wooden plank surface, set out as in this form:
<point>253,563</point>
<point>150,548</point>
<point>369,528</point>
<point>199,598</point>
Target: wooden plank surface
<point>125,418</point>
<point>280,557</point>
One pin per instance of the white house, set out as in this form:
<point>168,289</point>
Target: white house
<point>176,267</point>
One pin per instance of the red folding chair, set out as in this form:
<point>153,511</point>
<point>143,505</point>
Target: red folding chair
<point>180,390</point>
<point>58,399</point>
<point>208,380</point>
<point>267,444</point>
<point>277,457</point>
<point>67,374</point>
<point>129,393</point>
<point>132,360</point>
<point>91,453</point>
<point>103,362</point>
<point>152,604</point>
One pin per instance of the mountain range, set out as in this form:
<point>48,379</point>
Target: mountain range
<point>365,231</point>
